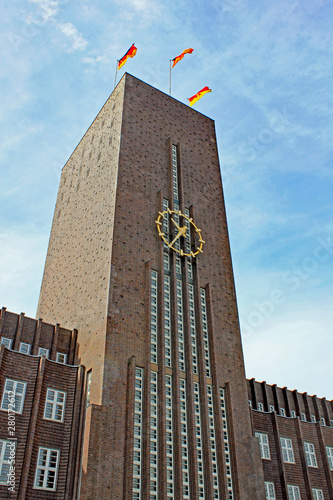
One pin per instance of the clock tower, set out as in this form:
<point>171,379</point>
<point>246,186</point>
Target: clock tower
<point>139,262</point>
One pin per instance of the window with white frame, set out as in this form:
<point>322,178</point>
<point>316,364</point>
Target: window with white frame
<point>24,348</point>
<point>13,395</point>
<point>329,451</point>
<point>61,358</point>
<point>260,407</point>
<point>303,417</point>
<point>153,316</point>
<point>55,405</point>
<point>310,455</point>
<point>47,469</point>
<point>317,494</point>
<point>313,418</point>
<point>282,412</point>
<point>287,450</point>
<point>270,491</point>
<point>43,352</point>
<point>271,408</point>
<point>6,342</point>
<point>293,414</point>
<point>293,492</point>
<point>264,445</point>
<point>88,388</point>
<point>7,453</point>
<point>137,448</point>
<point>323,422</point>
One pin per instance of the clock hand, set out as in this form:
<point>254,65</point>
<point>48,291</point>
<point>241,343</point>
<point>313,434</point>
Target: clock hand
<point>175,223</point>
<point>181,232</point>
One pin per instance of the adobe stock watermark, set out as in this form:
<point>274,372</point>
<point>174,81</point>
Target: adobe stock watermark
<point>12,442</point>
<point>292,279</point>
<point>278,123</point>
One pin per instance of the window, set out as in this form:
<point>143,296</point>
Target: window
<point>293,492</point>
<point>310,455</point>
<point>264,445</point>
<point>260,407</point>
<point>303,417</point>
<point>47,468</point>
<point>250,402</point>
<point>24,348</point>
<point>287,450</point>
<point>6,342</point>
<point>88,387</point>
<point>293,414</point>
<point>313,418</point>
<point>282,412</point>
<point>43,352</point>
<point>13,395</point>
<point>55,405</point>
<point>271,409</point>
<point>61,357</point>
<point>270,491</point>
<point>7,454</point>
<point>317,494</point>
<point>331,423</point>
<point>329,451</point>
<point>322,421</point>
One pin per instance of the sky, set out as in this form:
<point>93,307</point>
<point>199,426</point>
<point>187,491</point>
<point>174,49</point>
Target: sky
<point>269,65</point>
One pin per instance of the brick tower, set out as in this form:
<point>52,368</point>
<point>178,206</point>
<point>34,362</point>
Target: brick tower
<point>139,262</point>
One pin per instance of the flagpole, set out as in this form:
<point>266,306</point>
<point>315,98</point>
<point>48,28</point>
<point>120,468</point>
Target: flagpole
<point>170,78</point>
<point>115,76</point>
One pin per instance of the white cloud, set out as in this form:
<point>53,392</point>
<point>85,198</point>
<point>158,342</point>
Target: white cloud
<point>48,9</point>
<point>78,42</point>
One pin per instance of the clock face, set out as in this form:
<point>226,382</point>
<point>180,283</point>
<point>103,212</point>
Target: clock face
<point>176,230</point>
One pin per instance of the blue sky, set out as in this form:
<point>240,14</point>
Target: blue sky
<point>269,64</point>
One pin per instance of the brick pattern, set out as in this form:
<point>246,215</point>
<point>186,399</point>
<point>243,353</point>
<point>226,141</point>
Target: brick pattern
<point>272,423</point>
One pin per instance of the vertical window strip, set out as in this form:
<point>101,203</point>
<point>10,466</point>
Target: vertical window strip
<point>153,317</point>
<point>226,446</point>
<point>193,329</point>
<point>188,238</point>
<point>153,438</point>
<point>205,330</point>
<point>166,255</point>
<point>197,417</point>
<point>169,435</point>
<point>184,441</point>
<point>137,449</point>
<point>180,326</point>
<point>167,321</point>
<point>177,243</point>
<point>175,172</point>
<point>212,441</point>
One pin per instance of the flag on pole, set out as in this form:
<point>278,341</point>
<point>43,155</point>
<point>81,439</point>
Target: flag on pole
<point>198,96</point>
<point>130,53</point>
<point>179,58</point>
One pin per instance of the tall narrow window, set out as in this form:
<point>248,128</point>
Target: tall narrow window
<point>153,438</point>
<point>7,452</point>
<point>169,436</point>
<point>310,455</point>
<point>287,450</point>
<point>293,492</point>
<point>167,321</point>
<point>270,491</point>
<point>47,468</point>
<point>88,388</point>
<point>137,448</point>
<point>200,460</point>
<point>175,172</point>
<point>55,405</point>
<point>205,330</point>
<point>153,317</point>
<point>184,441</point>
<point>13,395</point>
<point>212,441</point>
<point>193,329</point>
<point>329,451</point>
<point>317,494</point>
<point>226,445</point>
<point>166,254</point>
<point>264,445</point>
<point>180,326</point>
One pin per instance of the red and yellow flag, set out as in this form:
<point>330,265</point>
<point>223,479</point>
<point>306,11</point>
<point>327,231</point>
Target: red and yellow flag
<point>130,53</point>
<point>198,96</point>
<point>179,58</point>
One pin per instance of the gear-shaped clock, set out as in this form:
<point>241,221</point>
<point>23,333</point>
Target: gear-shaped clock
<point>182,231</point>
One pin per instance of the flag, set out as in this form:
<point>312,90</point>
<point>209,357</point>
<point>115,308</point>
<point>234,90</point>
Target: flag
<point>130,53</point>
<point>179,58</point>
<point>198,96</point>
